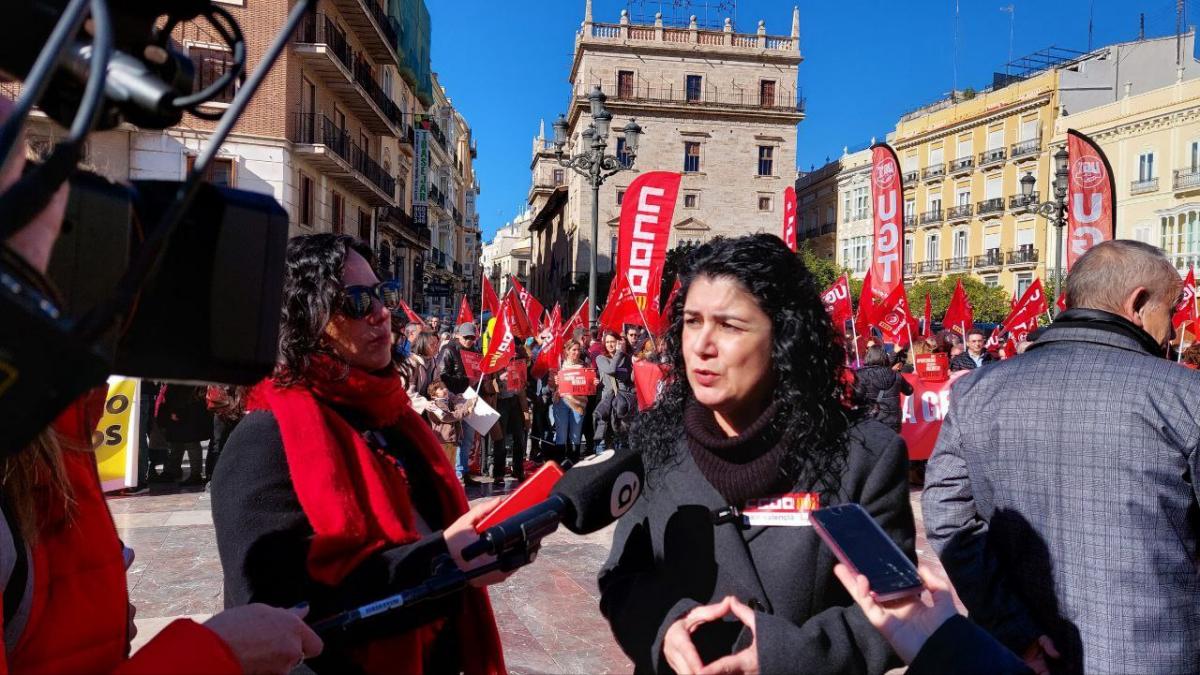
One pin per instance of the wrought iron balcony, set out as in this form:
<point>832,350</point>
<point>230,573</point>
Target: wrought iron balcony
<point>910,222</point>
<point>910,270</point>
<point>934,172</point>
<point>333,151</point>
<point>910,177</point>
<point>1021,203</point>
<point>929,267</point>
<point>1187,179</point>
<point>931,217</point>
<point>781,99</point>
<point>1141,187</point>
<point>992,258</point>
<point>959,264</point>
<point>960,212</point>
<point>993,206</point>
<point>1030,148</point>
<point>1026,255</point>
<point>993,157</point>
<point>962,165</point>
<point>322,45</point>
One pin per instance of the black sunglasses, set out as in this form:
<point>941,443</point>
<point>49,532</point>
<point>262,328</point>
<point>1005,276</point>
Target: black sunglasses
<point>357,301</point>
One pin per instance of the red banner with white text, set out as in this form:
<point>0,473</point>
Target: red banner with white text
<point>837,302</point>
<point>923,411</point>
<point>789,218</point>
<point>1091,197</point>
<point>887,256</point>
<point>646,215</point>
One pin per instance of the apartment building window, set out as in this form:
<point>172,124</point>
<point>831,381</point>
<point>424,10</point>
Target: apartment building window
<point>1142,234</point>
<point>910,208</point>
<point>337,212</point>
<point>559,176</point>
<point>766,93</point>
<point>612,253</point>
<point>862,202</point>
<point>764,203</point>
<point>965,149</point>
<point>1024,279</point>
<point>695,85</point>
<point>933,247</point>
<point>991,245</point>
<point>625,84</point>
<point>766,160</point>
<point>1030,129</point>
<point>992,281</point>
<point>620,197</point>
<point>691,156</point>
<point>1195,156</point>
<point>847,214</point>
<point>689,201</point>
<point>935,204</point>
<point>963,196</point>
<point>995,138</point>
<point>960,244</point>
<point>219,171</point>
<point>856,252</point>
<point>1181,234</point>
<point>364,226</point>
<point>306,201</point>
<point>522,268</point>
<point>1145,167</point>
<point>623,155</point>
<point>211,64</point>
<point>908,249</point>
<point>387,82</point>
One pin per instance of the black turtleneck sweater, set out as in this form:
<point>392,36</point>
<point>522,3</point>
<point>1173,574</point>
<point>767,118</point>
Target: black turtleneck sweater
<point>741,467</point>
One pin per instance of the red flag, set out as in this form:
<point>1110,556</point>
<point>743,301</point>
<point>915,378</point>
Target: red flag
<point>894,317</point>
<point>993,340</point>
<point>533,308</point>
<point>837,301</point>
<point>645,227</point>
<point>464,313</point>
<point>887,257</point>
<point>503,345</point>
<point>412,316</point>
<point>866,308</point>
<point>521,326</point>
<point>620,307</point>
<point>1186,309</point>
<point>1091,197</point>
<point>927,318</point>
<point>660,321</point>
<point>1061,302</point>
<point>789,217</point>
<point>1012,302</point>
<point>490,302</point>
<point>1032,301</point>
<point>959,316</point>
<point>577,320</point>
<point>550,355</point>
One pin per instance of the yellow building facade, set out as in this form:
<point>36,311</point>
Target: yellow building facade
<point>961,163</point>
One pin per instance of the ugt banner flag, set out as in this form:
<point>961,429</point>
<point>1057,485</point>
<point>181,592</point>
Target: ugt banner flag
<point>837,301</point>
<point>646,215</point>
<point>789,218</point>
<point>1091,192</point>
<point>887,255</point>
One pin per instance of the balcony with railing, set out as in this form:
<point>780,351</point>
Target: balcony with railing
<point>933,172</point>
<point>1025,256</point>
<point>378,32</point>
<point>779,99</point>
<point>958,264</point>
<point>1026,150</point>
<point>960,212</point>
<point>1145,186</point>
<point>910,222</point>
<point>1021,203</point>
<point>436,196</point>
<point>962,165</point>
<point>933,217</point>
<point>991,208</point>
<point>929,267</point>
<point>787,47</point>
<point>1186,179</point>
<point>910,270</point>
<point>993,258</point>
<point>323,47</point>
<point>402,222</point>
<point>331,149</point>
<point>910,177</point>
<point>990,159</point>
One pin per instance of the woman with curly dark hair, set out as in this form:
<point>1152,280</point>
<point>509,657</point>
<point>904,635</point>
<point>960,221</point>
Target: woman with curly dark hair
<point>751,413</point>
<point>333,491</point>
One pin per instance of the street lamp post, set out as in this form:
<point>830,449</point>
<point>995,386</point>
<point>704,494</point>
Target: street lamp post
<point>1053,211</point>
<point>596,166</point>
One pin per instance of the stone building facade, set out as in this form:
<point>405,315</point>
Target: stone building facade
<point>507,255</point>
<point>816,208</point>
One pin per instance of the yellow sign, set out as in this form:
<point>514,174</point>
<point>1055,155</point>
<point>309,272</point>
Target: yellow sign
<point>115,438</point>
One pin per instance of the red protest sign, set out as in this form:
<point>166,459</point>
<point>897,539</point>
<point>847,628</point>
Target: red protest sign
<point>577,381</point>
<point>647,379</point>
<point>923,411</point>
<point>516,375</point>
<point>471,363</point>
<point>932,367</point>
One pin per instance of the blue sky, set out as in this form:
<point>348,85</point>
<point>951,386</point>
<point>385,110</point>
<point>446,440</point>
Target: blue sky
<point>505,64</point>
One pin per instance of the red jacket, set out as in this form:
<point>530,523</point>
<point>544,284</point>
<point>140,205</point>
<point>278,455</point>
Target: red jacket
<point>78,621</point>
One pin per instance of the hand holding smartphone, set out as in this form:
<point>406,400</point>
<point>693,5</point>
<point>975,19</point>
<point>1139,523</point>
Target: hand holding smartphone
<point>860,544</point>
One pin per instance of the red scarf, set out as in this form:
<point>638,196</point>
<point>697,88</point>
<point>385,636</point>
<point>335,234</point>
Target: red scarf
<point>359,503</point>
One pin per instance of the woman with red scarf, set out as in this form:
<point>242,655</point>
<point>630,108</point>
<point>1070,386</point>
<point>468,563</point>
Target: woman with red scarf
<point>334,491</point>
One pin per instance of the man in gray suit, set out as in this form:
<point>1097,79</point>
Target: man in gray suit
<point>1062,494</point>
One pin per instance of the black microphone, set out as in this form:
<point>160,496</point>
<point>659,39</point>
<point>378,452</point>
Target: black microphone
<point>591,495</point>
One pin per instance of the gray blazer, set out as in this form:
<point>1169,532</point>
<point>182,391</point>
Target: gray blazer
<point>667,558</point>
<point>1062,500</point>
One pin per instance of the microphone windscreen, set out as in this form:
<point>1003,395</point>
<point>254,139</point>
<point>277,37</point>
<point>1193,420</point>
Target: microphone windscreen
<point>600,489</point>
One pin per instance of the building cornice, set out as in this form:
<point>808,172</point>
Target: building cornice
<point>989,116</point>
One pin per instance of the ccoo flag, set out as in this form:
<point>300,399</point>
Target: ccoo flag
<point>887,256</point>
<point>1091,193</point>
<point>646,215</point>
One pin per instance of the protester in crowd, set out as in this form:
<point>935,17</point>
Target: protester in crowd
<point>927,631</point>
<point>877,388</point>
<point>225,404</point>
<point>569,410</point>
<point>450,370</point>
<point>515,417</point>
<point>1191,357</point>
<point>417,371</point>
<point>445,413</point>
<point>633,335</point>
<point>618,402</point>
<point>66,599</point>
<point>541,431</point>
<point>435,323</point>
<point>1074,533</point>
<point>754,412</point>
<point>186,424</point>
<point>596,347</point>
<point>335,492</point>
<point>975,356</point>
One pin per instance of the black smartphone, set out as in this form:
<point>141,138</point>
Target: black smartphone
<point>863,546</point>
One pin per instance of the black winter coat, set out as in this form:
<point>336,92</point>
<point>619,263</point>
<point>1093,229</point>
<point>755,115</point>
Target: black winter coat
<point>878,389</point>
<point>964,361</point>
<point>183,415</point>
<point>448,367</point>
<point>668,558</point>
